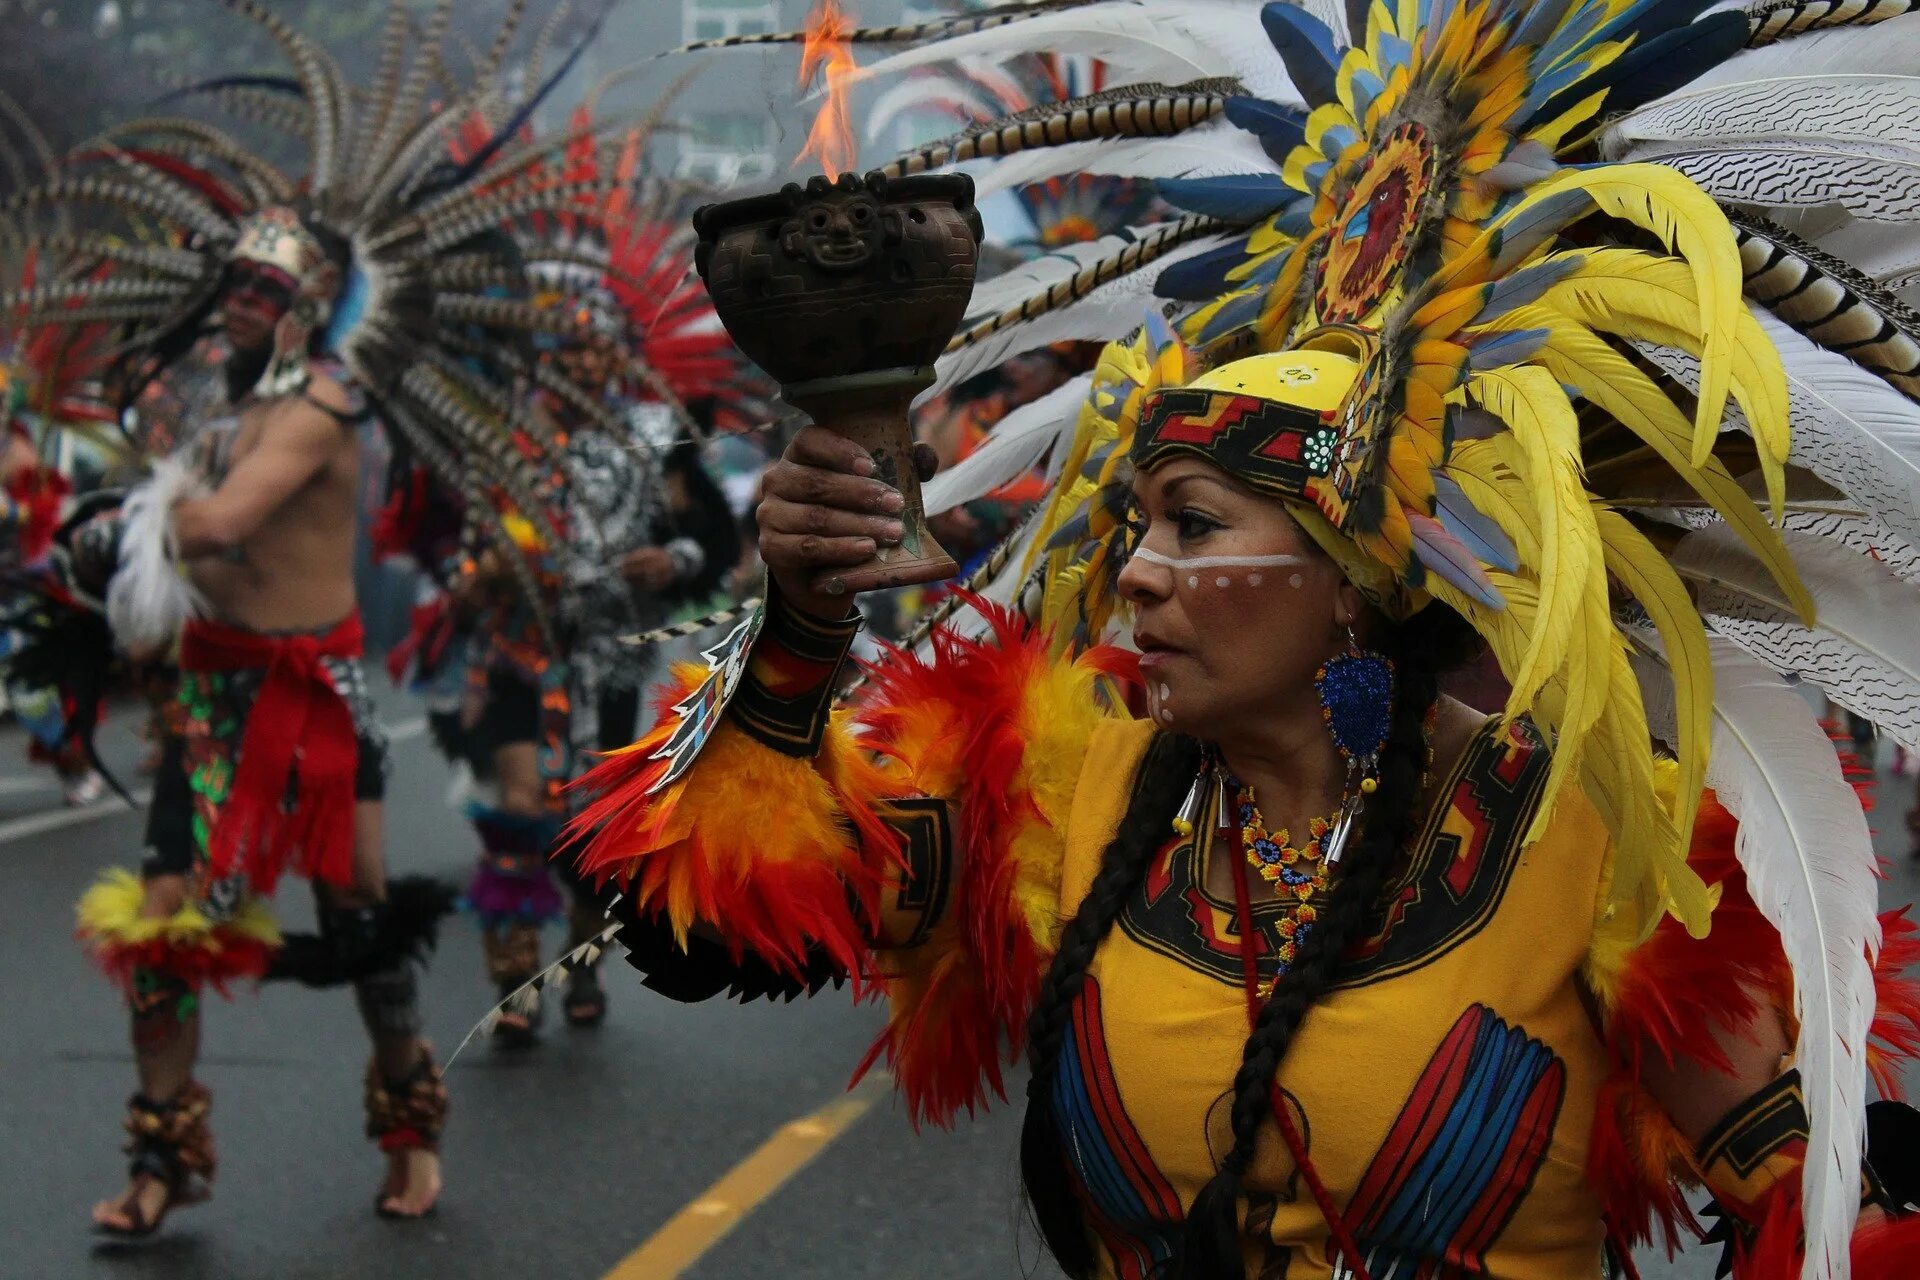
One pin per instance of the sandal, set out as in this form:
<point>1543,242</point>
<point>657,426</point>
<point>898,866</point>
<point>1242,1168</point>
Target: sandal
<point>586,1001</point>
<point>170,1144</point>
<point>406,1115</point>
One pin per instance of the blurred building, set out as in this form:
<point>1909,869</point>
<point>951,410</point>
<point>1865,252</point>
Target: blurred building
<point>742,118</point>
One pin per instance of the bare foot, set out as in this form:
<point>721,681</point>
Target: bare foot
<point>137,1210</point>
<point>412,1187</point>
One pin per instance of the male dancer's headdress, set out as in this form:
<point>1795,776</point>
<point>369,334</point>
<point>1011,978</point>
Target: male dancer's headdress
<point>1515,304</point>
<point>395,257</point>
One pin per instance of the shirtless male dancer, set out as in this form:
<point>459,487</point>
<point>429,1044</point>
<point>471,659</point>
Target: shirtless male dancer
<point>280,766</point>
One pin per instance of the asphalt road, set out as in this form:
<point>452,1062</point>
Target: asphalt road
<point>560,1163</point>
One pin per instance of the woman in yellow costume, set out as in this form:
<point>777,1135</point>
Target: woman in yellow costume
<point>1315,970</point>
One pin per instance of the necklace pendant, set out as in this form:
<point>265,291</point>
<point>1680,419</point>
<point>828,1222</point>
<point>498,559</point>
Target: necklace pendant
<point>1335,842</point>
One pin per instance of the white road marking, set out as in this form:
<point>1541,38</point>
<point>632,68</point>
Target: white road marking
<point>35,824</point>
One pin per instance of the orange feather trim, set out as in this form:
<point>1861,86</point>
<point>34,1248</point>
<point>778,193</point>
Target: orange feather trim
<point>1894,1036</point>
<point>1669,997</point>
<point>1641,1164</point>
<point>775,853</point>
<point>1000,727</point>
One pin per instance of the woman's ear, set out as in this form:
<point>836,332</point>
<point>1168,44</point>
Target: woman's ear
<point>1349,606</point>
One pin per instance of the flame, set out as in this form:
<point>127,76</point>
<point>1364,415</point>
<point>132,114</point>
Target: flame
<point>830,141</point>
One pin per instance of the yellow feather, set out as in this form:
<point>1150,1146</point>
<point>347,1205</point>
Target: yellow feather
<point>1656,300</point>
<point>1669,205</point>
<point>1614,384</point>
<point>1650,580</point>
<point>1544,449</point>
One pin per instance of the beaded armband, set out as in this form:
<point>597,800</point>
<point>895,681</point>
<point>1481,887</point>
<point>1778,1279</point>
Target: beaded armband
<point>915,900</point>
<point>786,693</point>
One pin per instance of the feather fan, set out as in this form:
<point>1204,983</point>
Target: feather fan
<point>1863,651</point>
<point>1805,847</point>
<point>1021,441</point>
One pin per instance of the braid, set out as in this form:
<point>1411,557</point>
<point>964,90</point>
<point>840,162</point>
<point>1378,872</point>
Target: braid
<point>1165,775</point>
<point>1213,1245</point>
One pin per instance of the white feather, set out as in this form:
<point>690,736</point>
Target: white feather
<point>1863,650</point>
<point>1893,45</point>
<point>1888,252</point>
<point>1878,108</point>
<point>1169,41</point>
<point>1862,536</point>
<point>148,600</point>
<point>1018,443</point>
<point>1808,857</point>
<point>1849,428</point>
<point>1211,150</point>
<point>1112,311</point>
<point>1878,183</point>
<point>1030,279</point>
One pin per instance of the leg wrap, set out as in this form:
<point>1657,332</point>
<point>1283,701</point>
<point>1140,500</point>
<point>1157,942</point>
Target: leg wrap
<point>170,1140</point>
<point>409,1113</point>
<point>512,951</point>
<point>389,1001</point>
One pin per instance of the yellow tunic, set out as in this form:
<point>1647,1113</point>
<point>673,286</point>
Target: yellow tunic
<point>1446,1088</point>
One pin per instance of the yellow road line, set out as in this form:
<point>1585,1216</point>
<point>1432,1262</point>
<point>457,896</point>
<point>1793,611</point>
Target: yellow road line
<point>723,1206</point>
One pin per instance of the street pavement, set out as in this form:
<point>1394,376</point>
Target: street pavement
<point>560,1162</point>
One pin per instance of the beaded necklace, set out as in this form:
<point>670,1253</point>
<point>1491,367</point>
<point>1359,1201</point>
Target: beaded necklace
<point>1298,874</point>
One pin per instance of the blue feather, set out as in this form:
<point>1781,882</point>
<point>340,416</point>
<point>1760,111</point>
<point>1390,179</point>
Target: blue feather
<point>1307,46</point>
<point>1533,228</point>
<point>1651,18</point>
<point>1656,68</point>
<point>1243,310</point>
<point>1364,87</point>
<point>1279,128</point>
<point>349,310</point>
<point>1335,139</point>
<point>1525,286</point>
<point>1203,276</point>
<point>1474,528</point>
<point>1499,350</point>
<point>1394,52</point>
<point>1237,197</point>
<point>1296,219</point>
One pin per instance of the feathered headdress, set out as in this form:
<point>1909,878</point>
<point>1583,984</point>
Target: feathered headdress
<point>630,268</point>
<point>429,311</point>
<point>1568,271</point>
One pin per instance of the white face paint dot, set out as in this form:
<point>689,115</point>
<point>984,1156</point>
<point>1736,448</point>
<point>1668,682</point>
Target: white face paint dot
<point>1193,579</point>
<point>1295,580</point>
<point>1253,579</point>
<point>1220,582</point>
<point>1166,716</point>
<point>1165,692</point>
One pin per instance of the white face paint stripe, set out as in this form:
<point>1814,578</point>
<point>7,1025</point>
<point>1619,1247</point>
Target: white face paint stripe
<point>1218,562</point>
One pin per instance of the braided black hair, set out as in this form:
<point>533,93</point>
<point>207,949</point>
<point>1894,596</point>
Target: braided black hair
<point>1424,648</point>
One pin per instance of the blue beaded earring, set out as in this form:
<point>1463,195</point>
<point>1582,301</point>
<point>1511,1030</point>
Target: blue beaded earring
<point>1356,700</point>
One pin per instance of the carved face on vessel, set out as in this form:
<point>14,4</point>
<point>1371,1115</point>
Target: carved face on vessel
<point>840,232</point>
